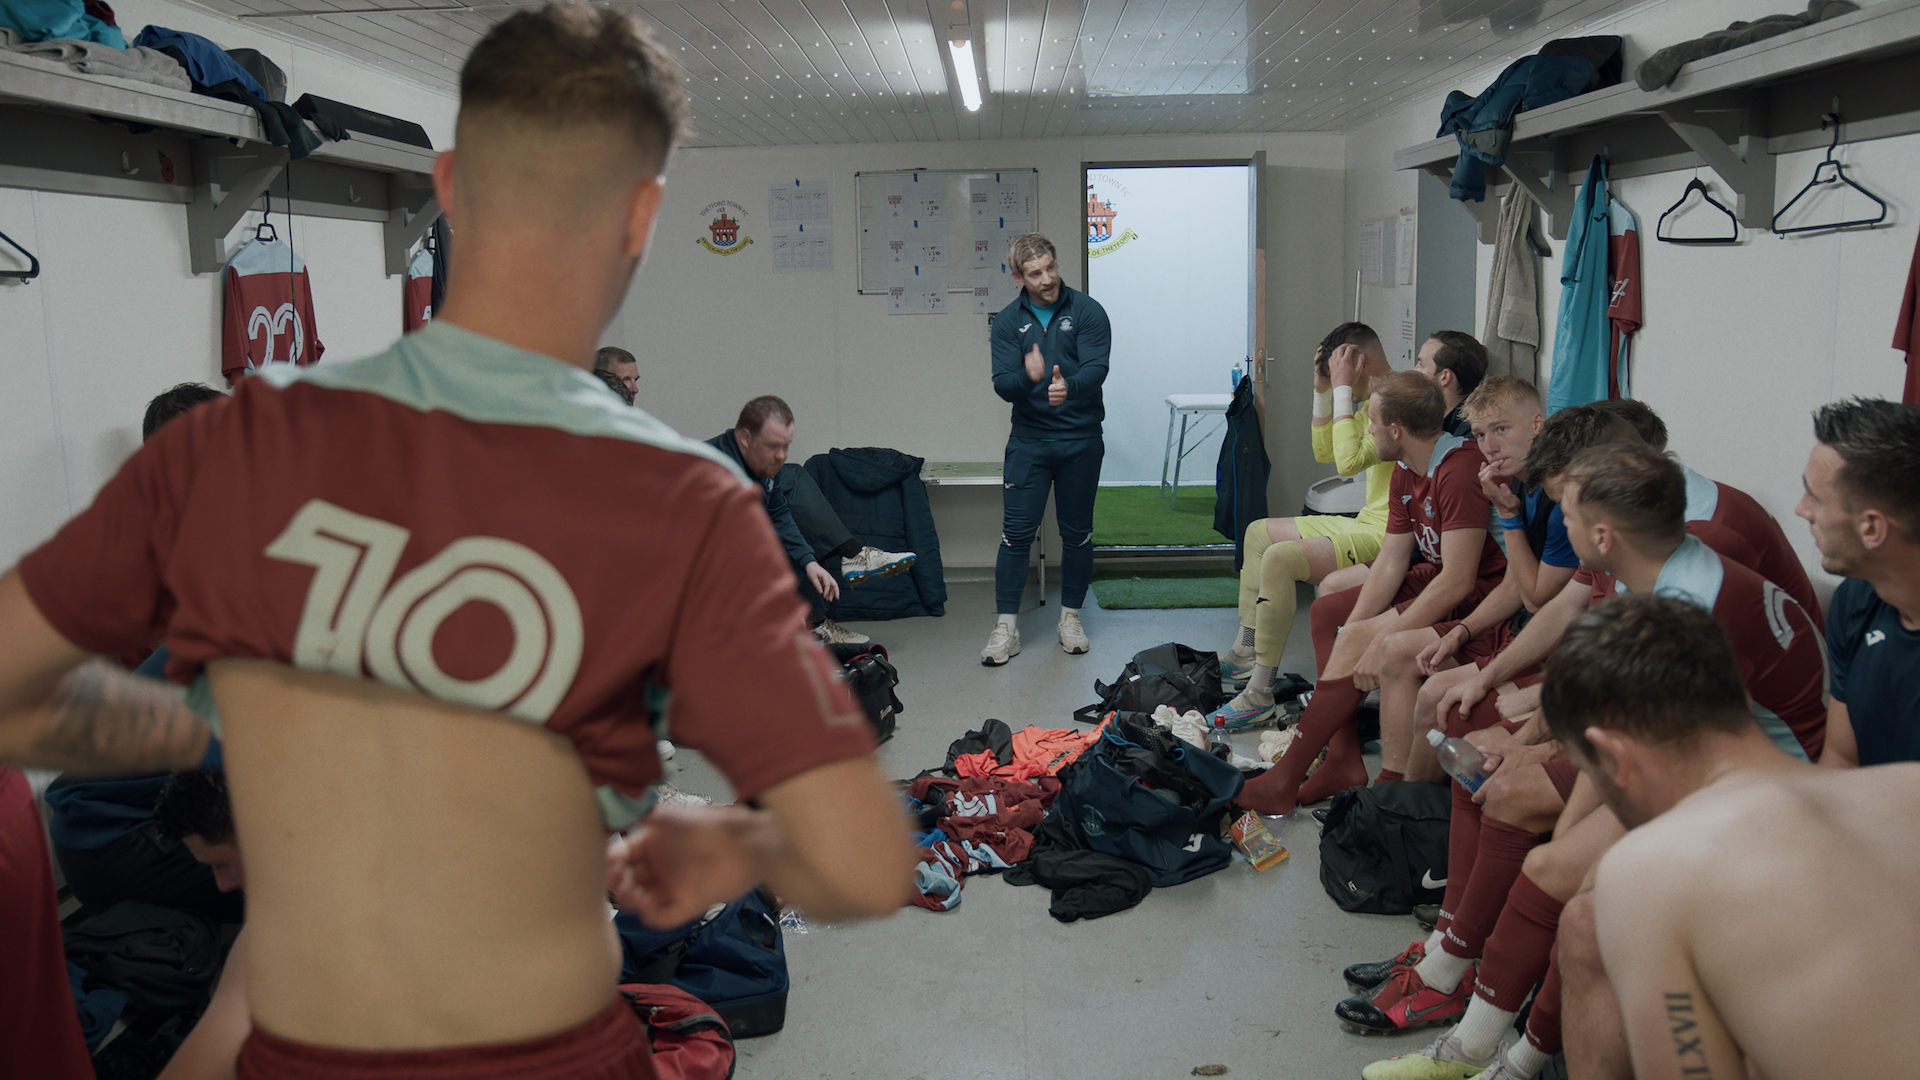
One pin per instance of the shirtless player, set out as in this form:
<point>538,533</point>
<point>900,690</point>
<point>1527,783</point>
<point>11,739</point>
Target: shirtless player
<point>1736,851</point>
<point>393,575</point>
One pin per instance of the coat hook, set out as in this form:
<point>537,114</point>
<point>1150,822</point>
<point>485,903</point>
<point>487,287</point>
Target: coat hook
<point>126,164</point>
<point>352,195</point>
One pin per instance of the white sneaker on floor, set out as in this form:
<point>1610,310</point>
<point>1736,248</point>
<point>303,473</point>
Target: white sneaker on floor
<point>871,562</point>
<point>665,749</point>
<point>834,634</point>
<point>1002,645</point>
<point>1073,639</point>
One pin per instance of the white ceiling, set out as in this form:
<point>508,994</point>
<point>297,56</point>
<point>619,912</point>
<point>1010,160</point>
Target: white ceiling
<point>781,72</point>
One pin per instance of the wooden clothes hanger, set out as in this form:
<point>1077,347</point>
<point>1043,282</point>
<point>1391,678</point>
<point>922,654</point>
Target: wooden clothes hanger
<point>1733,222</point>
<point>1820,177</point>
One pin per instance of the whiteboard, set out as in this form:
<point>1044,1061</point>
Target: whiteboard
<point>961,215</point>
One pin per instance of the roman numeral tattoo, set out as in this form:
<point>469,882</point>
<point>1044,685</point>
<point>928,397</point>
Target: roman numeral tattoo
<point>1680,1018</point>
<point>104,721</point>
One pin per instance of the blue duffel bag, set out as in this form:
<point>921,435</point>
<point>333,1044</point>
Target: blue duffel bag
<point>732,959</point>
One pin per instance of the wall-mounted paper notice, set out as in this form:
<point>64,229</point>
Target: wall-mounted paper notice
<point>993,288</point>
<point>922,290</point>
<point>798,202</point>
<point>1404,270</point>
<point>800,248</point>
<point>1370,252</point>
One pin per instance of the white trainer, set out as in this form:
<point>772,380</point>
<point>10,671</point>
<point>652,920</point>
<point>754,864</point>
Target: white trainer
<point>1073,639</point>
<point>1002,645</point>
<point>871,562</point>
<point>834,634</point>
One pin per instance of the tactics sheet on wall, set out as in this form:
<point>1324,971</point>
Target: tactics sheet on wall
<point>801,215</point>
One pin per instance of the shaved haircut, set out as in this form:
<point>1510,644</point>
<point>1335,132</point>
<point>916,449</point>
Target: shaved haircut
<point>1634,487</point>
<point>1499,392</point>
<point>1659,669</point>
<point>1413,401</point>
<point>1357,334</point>
<point>1652,429</point>
<point>1568,432</point>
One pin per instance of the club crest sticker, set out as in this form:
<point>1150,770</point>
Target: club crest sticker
<point>1100,223</point>
<point>724,235</point>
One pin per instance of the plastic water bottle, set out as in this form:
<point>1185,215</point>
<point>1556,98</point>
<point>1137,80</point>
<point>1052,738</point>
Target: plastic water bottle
<point>1219,742</point>
<point>1461,759</point>
<point>1238,374</point>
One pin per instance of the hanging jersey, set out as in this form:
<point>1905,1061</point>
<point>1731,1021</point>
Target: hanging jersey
<point>1623,261</point>
<point>1782,657</point>
<point>1578,374</point>
<point>1447,498</point>
<point>269,311</point>
<point>1876,673</point>
<point>1904,337</point>
<point>435,518</point>
<point>417,297</point>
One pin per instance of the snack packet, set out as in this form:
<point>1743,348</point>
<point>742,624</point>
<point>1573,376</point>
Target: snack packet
<point>1250,835</point>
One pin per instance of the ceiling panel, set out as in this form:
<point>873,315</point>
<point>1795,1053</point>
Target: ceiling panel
<point>804,72</point>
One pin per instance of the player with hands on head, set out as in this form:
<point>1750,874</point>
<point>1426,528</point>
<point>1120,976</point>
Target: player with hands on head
<point>1279,553</point>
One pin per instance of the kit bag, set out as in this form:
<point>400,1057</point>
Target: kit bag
<point>1383,848</point>
<point>733,959</point>
<point>1170,674</point>
<point>686,1037</point>
<point>163,959</point>
<point>1142,795</point>
<point>871,677</point>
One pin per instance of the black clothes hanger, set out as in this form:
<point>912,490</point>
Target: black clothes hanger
<point>33,265</point>
<point>265,233</point>
<point>1839,177</point>
<point>1733,223</point>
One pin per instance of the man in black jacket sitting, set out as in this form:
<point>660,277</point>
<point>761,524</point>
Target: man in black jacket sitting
<point>807,525</point>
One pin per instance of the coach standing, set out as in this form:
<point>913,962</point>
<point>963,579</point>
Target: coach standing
<point>1050,351</point>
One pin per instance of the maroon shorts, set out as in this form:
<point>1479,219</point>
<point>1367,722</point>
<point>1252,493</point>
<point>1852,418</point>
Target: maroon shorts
<point>1563,773</point>
<point>1481,647</point>
<point>1420,575</point>
<point>611,1046</point>
<point>39,1030</point>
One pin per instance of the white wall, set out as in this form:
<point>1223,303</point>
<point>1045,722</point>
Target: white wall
<point>712,331</point>
<point>1740,343</point>
<point>116,316</point>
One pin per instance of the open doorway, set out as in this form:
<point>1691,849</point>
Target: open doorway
<point>1171,250</point>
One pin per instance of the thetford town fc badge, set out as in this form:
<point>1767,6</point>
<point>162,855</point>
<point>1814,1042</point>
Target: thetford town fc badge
<point>1100,218</point>
<point>724,229</point>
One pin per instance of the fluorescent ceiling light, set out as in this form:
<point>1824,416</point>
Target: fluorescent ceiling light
<point>963,71</point>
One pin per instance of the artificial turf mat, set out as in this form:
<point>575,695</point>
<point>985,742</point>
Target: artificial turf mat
<point>1139,515</point>
<point>1120,589</point>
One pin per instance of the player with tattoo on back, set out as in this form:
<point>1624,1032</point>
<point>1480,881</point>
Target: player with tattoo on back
<point>1647,697</point>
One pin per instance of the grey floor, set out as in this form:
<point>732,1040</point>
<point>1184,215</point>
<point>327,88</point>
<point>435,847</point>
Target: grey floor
<point>1239,968</point>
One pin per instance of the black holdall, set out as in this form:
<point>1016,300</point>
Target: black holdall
<point>871,677</point>
<point>1383,848</point>
<point>1142,795</point>
<point>163,959</point>
<point>1171,674</point>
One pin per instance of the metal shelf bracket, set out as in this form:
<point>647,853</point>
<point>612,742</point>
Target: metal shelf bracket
<point>210,219</point>
<point>1742,162</point>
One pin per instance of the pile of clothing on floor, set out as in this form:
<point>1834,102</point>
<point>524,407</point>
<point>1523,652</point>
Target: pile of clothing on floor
<point>1099,817</point>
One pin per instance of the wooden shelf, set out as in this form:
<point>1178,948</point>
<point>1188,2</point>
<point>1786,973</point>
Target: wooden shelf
<point>1730,112</point>
<point>207,154</point>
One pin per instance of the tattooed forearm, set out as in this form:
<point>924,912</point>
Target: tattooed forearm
<point>104,721</point>
<point>1686,1040</point>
